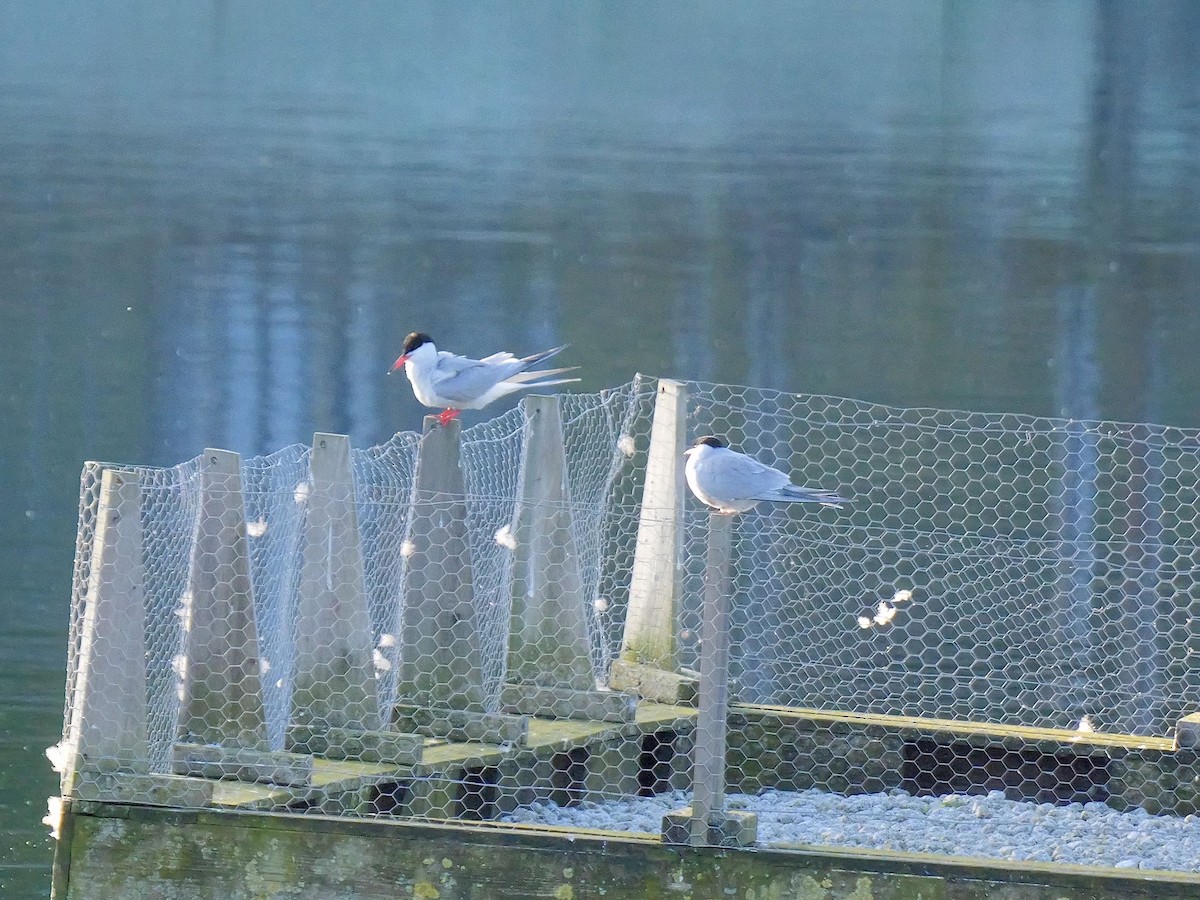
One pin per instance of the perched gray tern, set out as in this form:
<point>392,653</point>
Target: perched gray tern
<point>733,482</point>
<point>443,379</point>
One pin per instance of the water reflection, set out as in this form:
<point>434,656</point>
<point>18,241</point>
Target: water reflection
<point>217,221</point>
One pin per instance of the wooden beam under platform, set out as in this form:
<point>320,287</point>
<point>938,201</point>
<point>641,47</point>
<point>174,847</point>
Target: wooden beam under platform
<point>119,850</point>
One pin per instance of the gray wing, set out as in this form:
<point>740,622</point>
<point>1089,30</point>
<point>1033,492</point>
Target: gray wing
<point>502,357</point>
<point>459,379</point>
<point>739,476</point>
<point>777,487</point>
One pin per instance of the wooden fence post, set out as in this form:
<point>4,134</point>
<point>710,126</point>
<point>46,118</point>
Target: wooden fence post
<point>108,712</point>
<point>335,706</point>
<point>548,637</point>
<point>649,658</point>
<point>222,694</point>
<point>334,680</point>
<point>439,654</point>
<point>549,650</point>
<point>222,729</point>
<point>440,684</point>
<point>708,790</point>
<point>108,753</point>
<point>707,821</point>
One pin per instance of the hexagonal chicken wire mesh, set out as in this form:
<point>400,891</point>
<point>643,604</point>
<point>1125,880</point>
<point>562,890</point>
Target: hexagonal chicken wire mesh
<point>995,568</point>
<point>506,624</point>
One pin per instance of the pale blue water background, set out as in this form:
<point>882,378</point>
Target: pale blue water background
<point>218,220</point>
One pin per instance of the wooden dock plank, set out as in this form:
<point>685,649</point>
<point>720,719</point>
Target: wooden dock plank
<point>566,703</point>
<point>546,736</point>
<point>243,763</point>
<point>963,728</point>
<point>328,777</point>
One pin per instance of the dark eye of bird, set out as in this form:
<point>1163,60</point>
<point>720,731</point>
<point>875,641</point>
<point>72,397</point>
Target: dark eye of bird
<point>415,340</point>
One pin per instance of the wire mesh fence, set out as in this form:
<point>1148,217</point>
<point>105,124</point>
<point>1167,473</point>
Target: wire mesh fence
<point>509,623</point>
<point>1006,569</point>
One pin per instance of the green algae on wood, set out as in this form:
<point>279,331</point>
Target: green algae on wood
<point>119,851</point>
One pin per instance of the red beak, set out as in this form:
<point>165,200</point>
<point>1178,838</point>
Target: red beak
<point>398,363</point>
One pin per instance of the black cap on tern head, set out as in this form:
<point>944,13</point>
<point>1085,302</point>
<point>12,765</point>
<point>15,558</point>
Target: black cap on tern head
<point>709,441</point>
<point>414,340</point>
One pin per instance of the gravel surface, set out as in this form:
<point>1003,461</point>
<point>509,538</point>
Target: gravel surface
<point>958,825</point>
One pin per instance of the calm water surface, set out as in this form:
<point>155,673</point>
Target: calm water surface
<point>217,223</point>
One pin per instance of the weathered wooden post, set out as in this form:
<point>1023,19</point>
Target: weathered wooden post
<point>222,694</point>
<point>335,707</point>
<point>707,822</point>
<point>440,685</point>
<point>222,728</point>
<point>549,652</point>
<point>549,657</point>
<point>107,756</point>
<point>548,639</point>
<point>649,658</point>
<point>708,791</point>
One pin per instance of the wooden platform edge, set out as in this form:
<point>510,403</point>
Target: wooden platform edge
<point>652,683</point>
<point>963,728</point>
<point>566,703</point>
<point>409,858</point>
